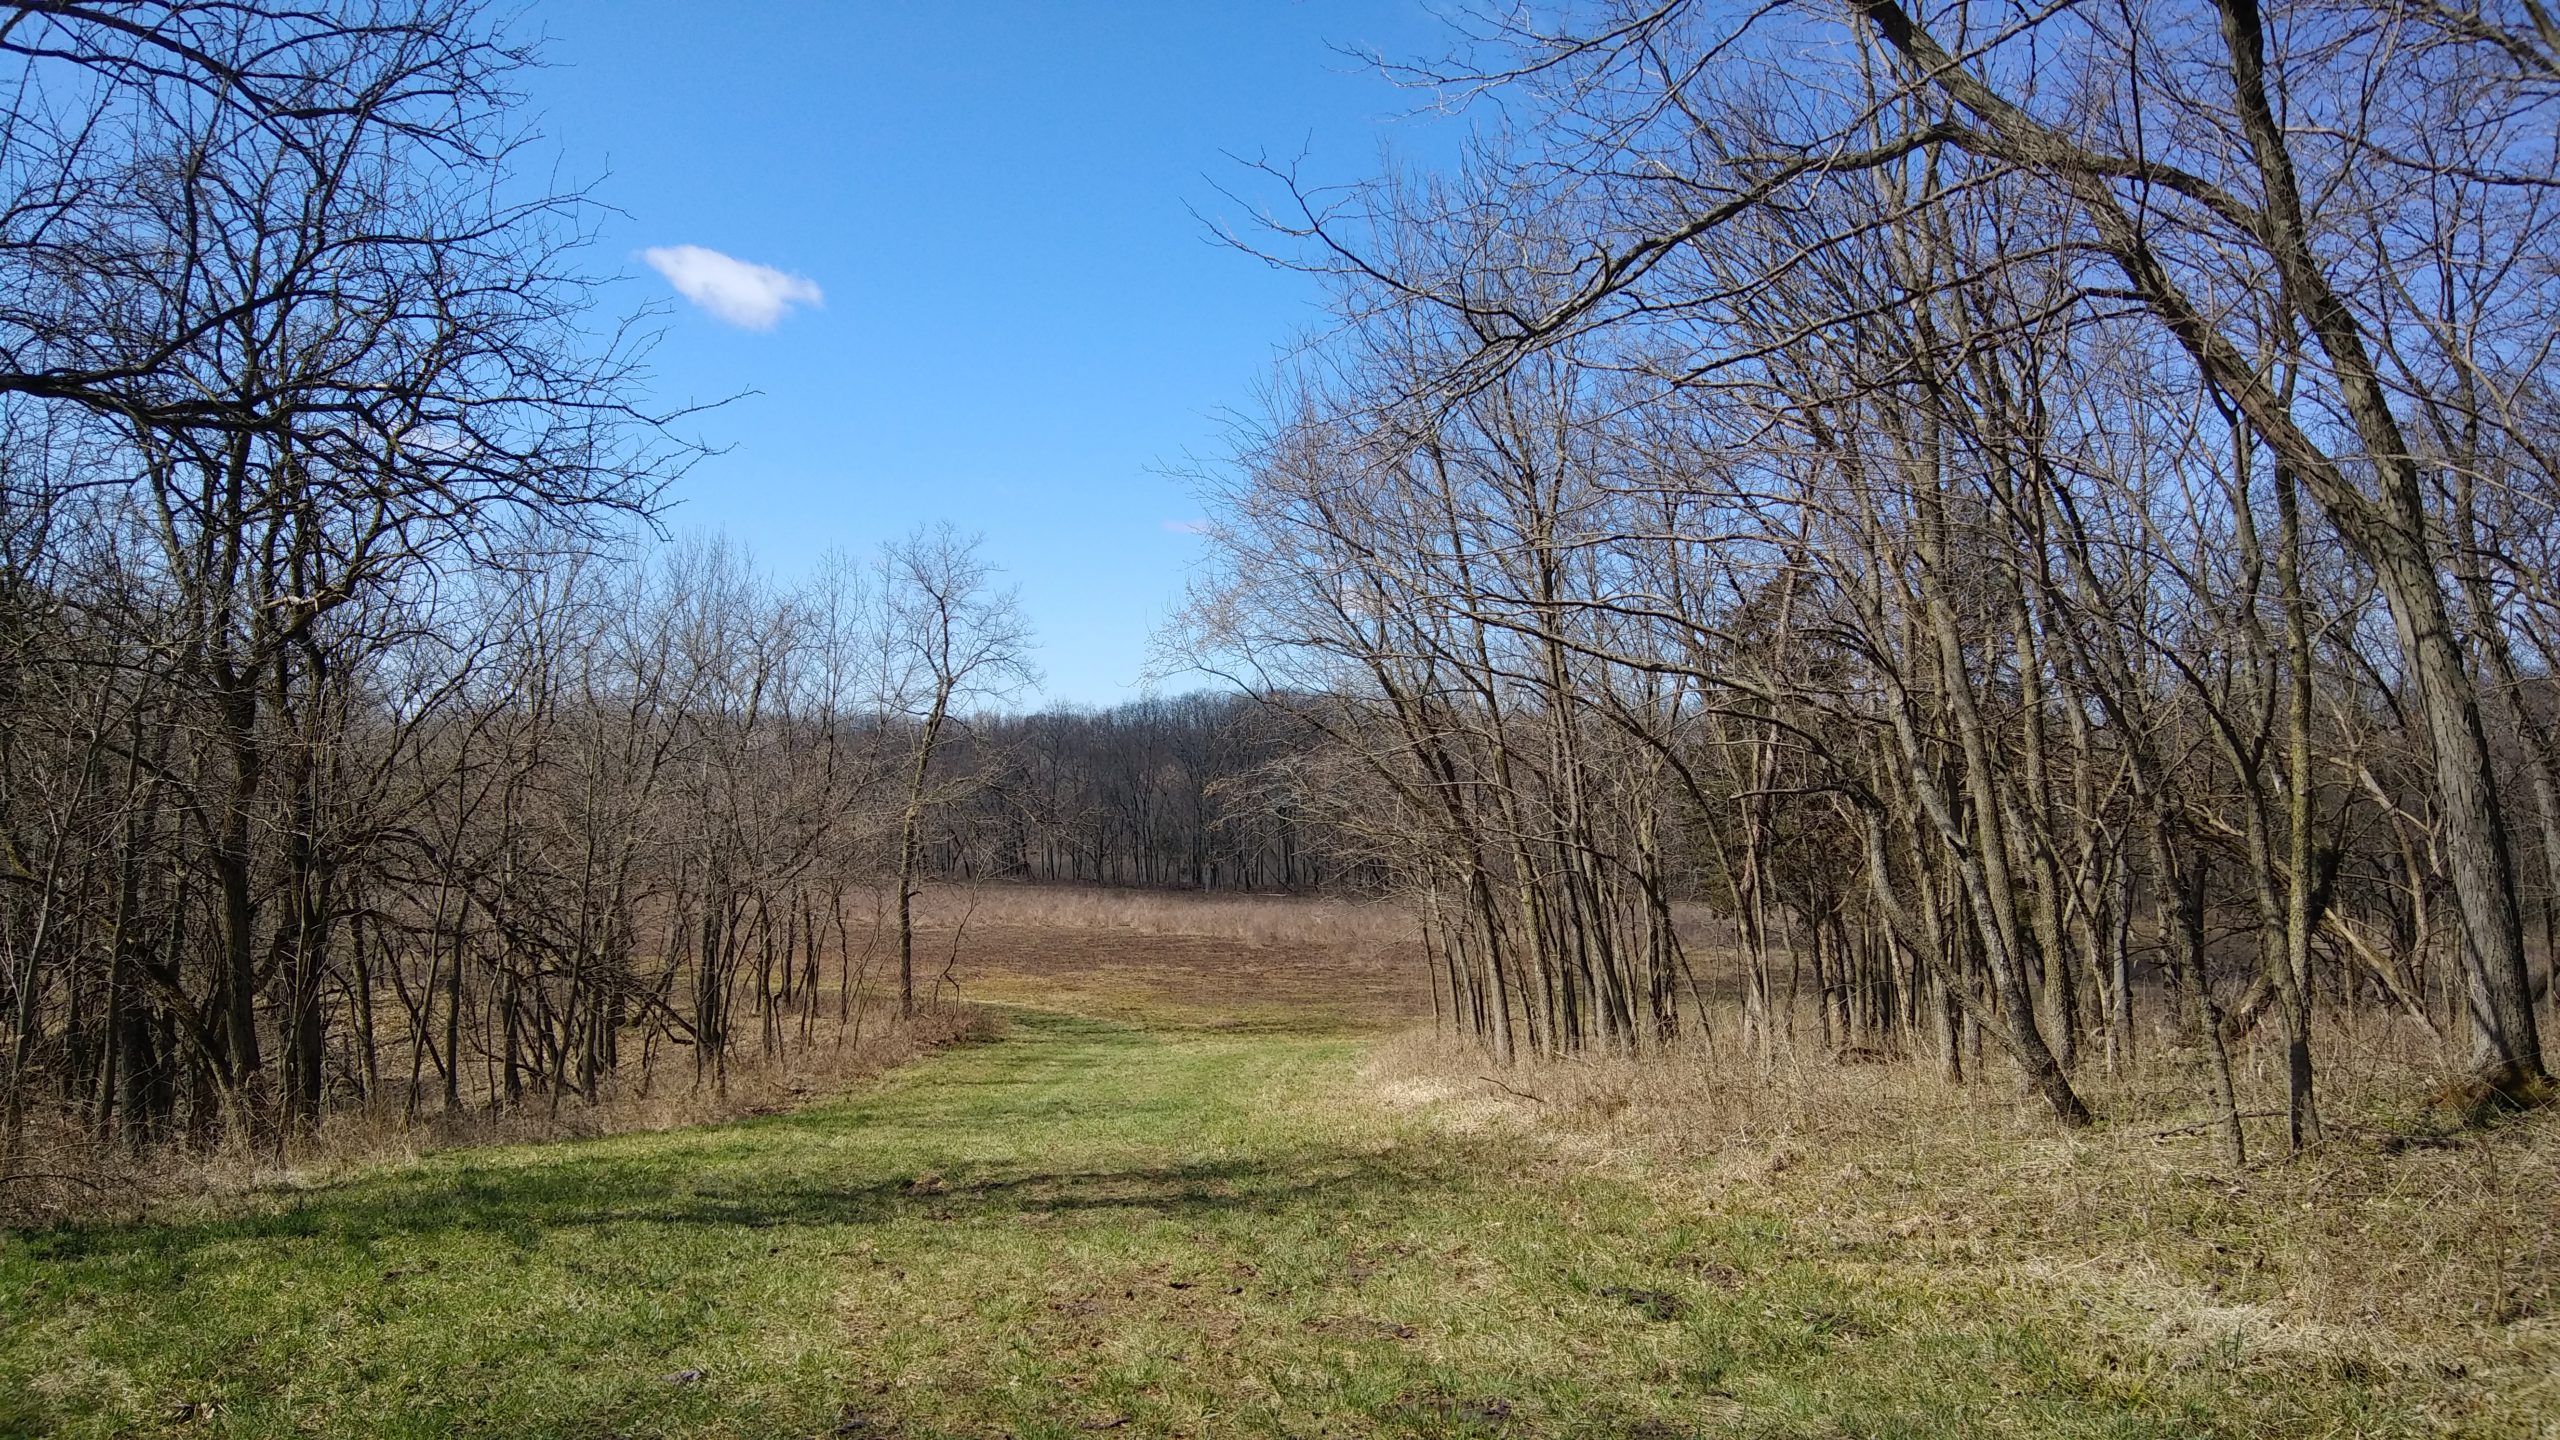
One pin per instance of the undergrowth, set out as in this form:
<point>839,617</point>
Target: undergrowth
<point>2404,1255</point>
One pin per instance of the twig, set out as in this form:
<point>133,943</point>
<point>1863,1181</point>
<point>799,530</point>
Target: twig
<point>1523,1094</point>
<point>2217,1120</point>
<point>2393,1142</point>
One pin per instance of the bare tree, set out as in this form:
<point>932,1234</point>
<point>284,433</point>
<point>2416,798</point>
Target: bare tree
<point>949,640</point>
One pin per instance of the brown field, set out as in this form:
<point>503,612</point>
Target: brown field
<point>1215,961</point>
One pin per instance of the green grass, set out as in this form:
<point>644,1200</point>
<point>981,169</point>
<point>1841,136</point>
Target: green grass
<point>1083,1227</point>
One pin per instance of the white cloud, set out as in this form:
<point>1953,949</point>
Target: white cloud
<point>741,292</point>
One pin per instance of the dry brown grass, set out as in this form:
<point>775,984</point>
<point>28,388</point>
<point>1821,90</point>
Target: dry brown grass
<point>60,1173</point>
<point>2435,1263</point>
<point>1225,961</point>
<point>1246,919</point>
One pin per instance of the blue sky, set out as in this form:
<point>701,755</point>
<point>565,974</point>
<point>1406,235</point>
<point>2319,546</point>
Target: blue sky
<point>1023,323</point>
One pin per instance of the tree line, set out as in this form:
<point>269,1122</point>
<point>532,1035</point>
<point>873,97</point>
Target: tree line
<point>2042,517</point>
<point>1182,792</point>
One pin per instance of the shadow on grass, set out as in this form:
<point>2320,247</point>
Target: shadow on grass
<point>520,1205</point>
<point>763,1175</point>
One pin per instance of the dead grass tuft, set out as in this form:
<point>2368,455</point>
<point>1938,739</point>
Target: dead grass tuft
<point>2435,1263</point>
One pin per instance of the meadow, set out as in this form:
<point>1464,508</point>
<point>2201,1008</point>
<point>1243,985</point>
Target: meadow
<point>1197,1168</point>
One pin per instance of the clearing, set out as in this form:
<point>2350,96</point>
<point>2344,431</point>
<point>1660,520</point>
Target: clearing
<point>1178,1208</point>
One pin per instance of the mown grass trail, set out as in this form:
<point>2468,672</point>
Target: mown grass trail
<point>1084,1227</point>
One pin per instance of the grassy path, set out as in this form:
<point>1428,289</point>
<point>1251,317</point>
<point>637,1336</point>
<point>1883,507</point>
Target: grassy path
<point>1086,1227</point>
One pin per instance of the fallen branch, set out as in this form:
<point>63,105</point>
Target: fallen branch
<point>2217,1120</point>
<point>1523,1094</point>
